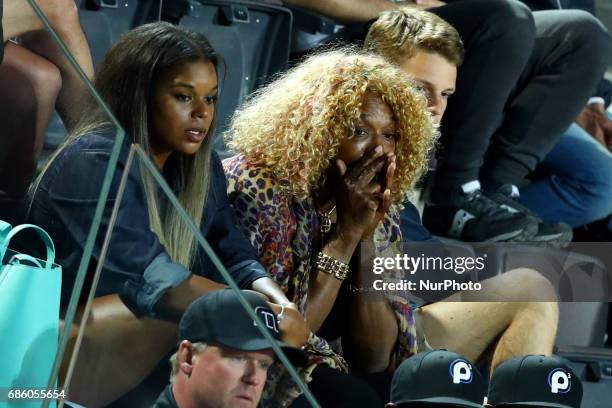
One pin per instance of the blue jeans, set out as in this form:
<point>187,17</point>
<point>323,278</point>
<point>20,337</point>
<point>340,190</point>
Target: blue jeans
<point>575,184</point>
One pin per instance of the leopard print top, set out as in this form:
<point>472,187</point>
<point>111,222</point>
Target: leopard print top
<point>283,230</point>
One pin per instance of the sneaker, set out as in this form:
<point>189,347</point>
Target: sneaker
<point>471,216</point>
<point>556,234</point>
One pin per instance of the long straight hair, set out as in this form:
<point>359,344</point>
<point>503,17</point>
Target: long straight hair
<point>125,81</point>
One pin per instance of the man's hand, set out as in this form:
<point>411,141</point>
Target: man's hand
<point>591,118</point>
<point>606,126</point>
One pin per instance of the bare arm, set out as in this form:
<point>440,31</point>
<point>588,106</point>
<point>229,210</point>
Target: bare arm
<point>351,11</point>
<point>294,329</point>
<point>373,328</point>
<point>356,203</point>
<point>174,302</point>
<point>268,287</point>
<point>346,10</point>
<point>324,287</point>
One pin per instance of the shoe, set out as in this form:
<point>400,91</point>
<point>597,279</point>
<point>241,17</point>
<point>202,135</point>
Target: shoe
<point>473,217</point>
<point>555,234</point>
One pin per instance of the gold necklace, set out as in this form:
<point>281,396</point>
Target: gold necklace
<point>325,222</point>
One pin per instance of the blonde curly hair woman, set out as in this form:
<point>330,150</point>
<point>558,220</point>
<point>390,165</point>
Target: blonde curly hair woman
<point>325,153</point>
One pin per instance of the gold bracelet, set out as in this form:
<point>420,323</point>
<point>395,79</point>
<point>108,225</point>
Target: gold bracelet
<point>332,266</point>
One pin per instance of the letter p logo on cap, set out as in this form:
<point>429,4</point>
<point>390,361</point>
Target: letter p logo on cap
<point>461,372</point>
<point>559,381</point>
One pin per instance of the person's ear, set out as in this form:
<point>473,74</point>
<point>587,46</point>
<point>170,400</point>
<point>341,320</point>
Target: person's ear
<point>185,357</point>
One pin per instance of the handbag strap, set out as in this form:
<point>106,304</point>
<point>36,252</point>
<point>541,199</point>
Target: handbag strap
<point>4,243</point>
<point>5,228</point>
<point>20,259</point>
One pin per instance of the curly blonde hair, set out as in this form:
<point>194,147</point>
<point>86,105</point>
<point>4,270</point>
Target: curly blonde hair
<point>294,125</point>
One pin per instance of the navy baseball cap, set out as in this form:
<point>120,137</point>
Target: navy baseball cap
<point>219,317</point>
<point>535,381</point>
<point>436,378</point>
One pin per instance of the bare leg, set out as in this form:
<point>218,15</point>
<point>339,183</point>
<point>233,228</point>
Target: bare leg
<point>17,109</point>
<point>523,327</point>
<point>19,19</point>
<point>118,351</point>
<point>30,85</point>
<point>46,82</point>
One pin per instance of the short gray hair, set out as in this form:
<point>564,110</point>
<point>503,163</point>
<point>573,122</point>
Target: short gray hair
<point>197,347</point>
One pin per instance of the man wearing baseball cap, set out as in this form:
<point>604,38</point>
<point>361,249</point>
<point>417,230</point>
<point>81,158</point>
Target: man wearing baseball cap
<point>222,358</point>
<point>535,381</point>
<point>437,378</point>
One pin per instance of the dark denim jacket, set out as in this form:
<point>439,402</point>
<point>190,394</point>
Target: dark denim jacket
<point>137,266</point>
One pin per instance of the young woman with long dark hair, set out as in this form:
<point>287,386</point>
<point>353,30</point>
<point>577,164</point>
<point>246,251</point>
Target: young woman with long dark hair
<point>160,82</point>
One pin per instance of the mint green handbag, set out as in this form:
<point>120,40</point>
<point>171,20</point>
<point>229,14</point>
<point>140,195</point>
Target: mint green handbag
<point>29,316</point>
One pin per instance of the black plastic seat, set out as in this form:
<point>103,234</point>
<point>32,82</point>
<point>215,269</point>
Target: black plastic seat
<point>253,38</point>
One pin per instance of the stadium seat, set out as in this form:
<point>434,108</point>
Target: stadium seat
<point>594,368</point>
<point>253,39</point>
<point>582,281</point>
<point>103,22</point>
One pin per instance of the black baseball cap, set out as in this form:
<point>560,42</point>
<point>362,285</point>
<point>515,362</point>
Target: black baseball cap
<point>535,381</point>
<point>436,378</point>
<point>219,317</point>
